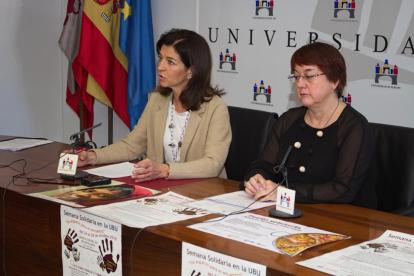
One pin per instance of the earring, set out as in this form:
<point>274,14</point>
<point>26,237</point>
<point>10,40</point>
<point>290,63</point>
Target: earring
<point>188,77</point>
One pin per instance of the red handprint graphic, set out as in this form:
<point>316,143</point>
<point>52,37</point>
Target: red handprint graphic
<point>106,261</point>
<point>70,239</point>
<point>69,242</point>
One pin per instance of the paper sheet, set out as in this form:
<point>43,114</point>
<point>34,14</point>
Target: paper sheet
<point>114,171</point>
<point>229,203</point>
<point>21,144</point>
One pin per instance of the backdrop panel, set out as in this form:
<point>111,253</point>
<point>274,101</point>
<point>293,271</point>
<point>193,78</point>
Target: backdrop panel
<point>252,42</point>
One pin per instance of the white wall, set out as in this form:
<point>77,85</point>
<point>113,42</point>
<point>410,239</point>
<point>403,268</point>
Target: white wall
<point>30,69</point>
<point>33,69</point>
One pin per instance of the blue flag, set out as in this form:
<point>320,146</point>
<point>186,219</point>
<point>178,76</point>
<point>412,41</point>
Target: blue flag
<point>136,40</point>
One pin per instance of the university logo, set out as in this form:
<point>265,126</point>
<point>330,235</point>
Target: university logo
<point>284,199</point>
<point>344,5</point>
<point>347,99</point>
<point>227,58</point>
<point>262,91</point>
<point>386,71</point>
<point>264,4</point>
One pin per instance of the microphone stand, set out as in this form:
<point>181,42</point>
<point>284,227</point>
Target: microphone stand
<point>75,137</point>
<point>282,169</point>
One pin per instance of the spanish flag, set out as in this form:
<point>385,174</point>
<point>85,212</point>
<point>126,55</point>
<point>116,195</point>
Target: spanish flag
<point>100,56</point>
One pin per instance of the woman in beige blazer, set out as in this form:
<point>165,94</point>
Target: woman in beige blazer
<point>185,127</point>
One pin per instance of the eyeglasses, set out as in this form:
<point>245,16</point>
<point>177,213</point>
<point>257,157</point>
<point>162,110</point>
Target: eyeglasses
<point>295,78</point>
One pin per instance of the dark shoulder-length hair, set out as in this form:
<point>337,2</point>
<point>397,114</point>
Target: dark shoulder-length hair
<point>327,58</point>
<point>195,53</point>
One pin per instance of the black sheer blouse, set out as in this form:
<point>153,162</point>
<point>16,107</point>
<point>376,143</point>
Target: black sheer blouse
<point>338,165</point>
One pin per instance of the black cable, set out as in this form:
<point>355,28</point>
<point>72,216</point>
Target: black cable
<point>16,177</point>
<point>9,165</point>
<point>187,224</point>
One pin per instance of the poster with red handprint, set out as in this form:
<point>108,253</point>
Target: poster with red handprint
<point>90,244</point>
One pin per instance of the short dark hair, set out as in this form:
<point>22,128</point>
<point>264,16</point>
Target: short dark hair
<point>327,58</point>
<point>195,53</point>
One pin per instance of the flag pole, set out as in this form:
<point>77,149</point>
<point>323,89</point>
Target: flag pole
<point>81,117</point>
<point>110,125</point>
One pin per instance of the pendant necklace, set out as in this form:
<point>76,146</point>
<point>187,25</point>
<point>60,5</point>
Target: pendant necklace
<point>175,149</point>
<point>320,132</point>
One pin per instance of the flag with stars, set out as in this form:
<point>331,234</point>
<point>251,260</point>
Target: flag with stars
<point>137,42</point>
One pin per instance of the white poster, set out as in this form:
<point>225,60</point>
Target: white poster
<point>252,42</point>
<point>390,254</point>
<point>149,211</point>
<point>90,245</point>
<point>198,261</point>
<point>269,233</point>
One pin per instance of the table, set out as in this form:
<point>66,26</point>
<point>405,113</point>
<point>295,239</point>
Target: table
<point>33,243</point>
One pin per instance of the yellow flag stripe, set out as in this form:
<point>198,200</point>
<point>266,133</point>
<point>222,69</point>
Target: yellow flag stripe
<point>93,88</point>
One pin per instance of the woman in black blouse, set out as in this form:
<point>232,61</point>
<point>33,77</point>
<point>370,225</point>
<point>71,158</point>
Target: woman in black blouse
<point>332,145</point>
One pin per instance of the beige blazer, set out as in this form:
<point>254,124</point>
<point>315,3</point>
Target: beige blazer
<point>205,145</point>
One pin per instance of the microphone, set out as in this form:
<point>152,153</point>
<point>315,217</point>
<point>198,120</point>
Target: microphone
<point>76,135</point>
<point>282,168</point>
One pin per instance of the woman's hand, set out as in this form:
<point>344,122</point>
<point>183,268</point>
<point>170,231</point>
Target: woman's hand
<point>149,170</point>
<point>259,187</point>
<point>85,157</point>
